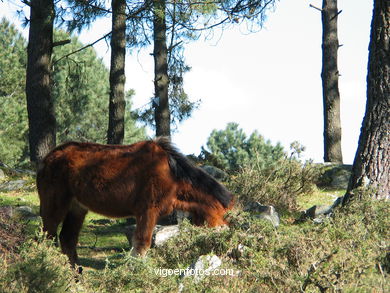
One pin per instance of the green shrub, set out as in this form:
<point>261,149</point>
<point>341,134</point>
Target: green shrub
<point>349,252</point>
<point>131,275</point>
<point>279,184</point>
<point>40,268</point>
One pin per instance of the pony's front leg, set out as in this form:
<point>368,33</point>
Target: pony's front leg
<point>142,237</point>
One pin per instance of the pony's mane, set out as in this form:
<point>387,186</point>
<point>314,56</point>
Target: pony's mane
<point>183,169</point>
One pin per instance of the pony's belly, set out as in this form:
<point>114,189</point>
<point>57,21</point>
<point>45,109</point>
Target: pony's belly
<point>112,208</point>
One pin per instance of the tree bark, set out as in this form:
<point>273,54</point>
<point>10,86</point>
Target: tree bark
<point>40,106</point>
<point>161,80</point>
<point>117,104</point>
<point>371,167</point>
<point>330,79</point>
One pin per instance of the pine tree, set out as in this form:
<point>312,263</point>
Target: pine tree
<point>230,149</point>
<point>371,167</point>
<point>330,78</point>
<point>40,106</point>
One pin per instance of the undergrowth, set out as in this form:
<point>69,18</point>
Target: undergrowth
<point>348,252</point>
<point>278,184</point>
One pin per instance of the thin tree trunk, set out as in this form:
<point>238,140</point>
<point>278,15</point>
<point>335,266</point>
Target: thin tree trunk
<point>371,166</point>
<point>40,106</point>
<point>117,105</point>
<point>330,87</point>
<point>161,80</point>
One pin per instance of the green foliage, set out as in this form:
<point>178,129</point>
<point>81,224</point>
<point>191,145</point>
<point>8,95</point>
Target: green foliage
<point>13,64</point>
<point>81,88</point>
<point>348,252</point>
<point>39,268</point>
<point>131,275</point>
<point>278,183</point>
<point>230,149</point>
<point>180,105</point>
<point>80,92</point>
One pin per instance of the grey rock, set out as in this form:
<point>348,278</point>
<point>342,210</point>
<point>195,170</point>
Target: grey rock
<point>2,174</point>
<point>13,185</point>
<point>340,179</point>
<point>203,267</point>
<point>336,176</point>
<point>161,234</point>
<point>319,213</point>
<point>316,211</point>
<point>25,212</point>
<point>264,212</point>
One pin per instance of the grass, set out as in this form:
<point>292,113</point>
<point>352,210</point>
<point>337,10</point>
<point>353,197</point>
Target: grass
<point>319,197</point>
<point>103,240</point>
<point>349,252</point>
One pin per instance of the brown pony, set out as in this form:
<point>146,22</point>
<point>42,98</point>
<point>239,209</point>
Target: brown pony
<point>146,180</point>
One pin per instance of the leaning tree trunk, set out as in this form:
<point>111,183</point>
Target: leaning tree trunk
<point>330,80</point>
<point>161,80</point>
<point>40,107</point>
<point>117,105</point>
<point>371,166</point>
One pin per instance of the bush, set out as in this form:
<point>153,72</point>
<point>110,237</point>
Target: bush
<point>131,275</point>
<point>40,268</point>
<point>278,184</point>
<point>343,253</point>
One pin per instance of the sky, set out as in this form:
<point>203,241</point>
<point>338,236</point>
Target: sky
<point>267,81</point>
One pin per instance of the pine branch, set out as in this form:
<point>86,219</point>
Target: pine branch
<point>60,43</point>
<point>82,48</point>
<point>312,6</point>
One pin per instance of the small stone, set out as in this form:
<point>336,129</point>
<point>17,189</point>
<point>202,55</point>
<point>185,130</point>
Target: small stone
<point>13,185</point>
<point>163,233</point>
<point>264,212</point>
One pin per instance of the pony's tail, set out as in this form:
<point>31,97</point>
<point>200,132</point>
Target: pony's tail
<point>184,170</point>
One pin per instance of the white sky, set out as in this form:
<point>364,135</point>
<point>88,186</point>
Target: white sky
<point>269,81</point>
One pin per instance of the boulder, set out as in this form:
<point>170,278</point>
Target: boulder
<point>335,175</point>
<point>160,234</point>
<point>13,185</point>
<point>204,266</point>
<point>264,212</point>
<point>163,233</point>
<point>25,212</point>
<point>318,213</point>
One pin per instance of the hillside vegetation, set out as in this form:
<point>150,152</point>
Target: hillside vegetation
<point>347,251</point>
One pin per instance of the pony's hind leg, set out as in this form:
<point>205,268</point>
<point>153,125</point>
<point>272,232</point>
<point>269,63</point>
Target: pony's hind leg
<point>142,237</point>
<point>53,209</point>
<point>70,231</point>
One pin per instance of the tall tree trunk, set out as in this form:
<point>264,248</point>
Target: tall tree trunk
<point>371,166</point>
<point>330,80</point>
<point>161,80</point>
<point>117,105</point>
<point>40,106</point>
